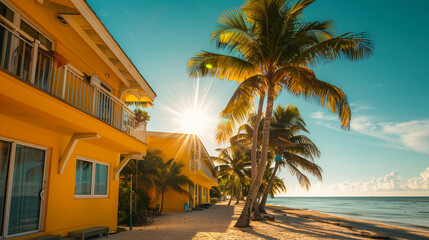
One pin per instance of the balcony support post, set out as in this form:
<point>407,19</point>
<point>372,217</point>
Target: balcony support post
<point>64,81</point>
<point>34,53</point>
<point>122,118</point>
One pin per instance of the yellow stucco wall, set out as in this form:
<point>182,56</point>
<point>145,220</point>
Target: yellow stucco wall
<point>178,147</point>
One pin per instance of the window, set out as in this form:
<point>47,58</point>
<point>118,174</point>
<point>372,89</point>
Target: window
<point>6,12</point>
<point>14,17</point>
<point>35,34</point>
<point>91,178</point>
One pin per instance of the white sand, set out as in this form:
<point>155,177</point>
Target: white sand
<point>218,221</point>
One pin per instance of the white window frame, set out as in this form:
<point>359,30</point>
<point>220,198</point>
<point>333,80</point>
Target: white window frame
<point>18,17</point>
<point>94,162</point>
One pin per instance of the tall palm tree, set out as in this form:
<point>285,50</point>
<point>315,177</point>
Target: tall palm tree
<point>233,164</point>
<point>294,150</point>
<point>269,41</point>
<point>278,184</point>
<point>170,177</point>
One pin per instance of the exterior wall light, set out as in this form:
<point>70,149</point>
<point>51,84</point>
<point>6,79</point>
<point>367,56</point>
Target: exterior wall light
<point>62,20</point>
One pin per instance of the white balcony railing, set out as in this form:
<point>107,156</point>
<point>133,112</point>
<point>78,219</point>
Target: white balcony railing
<point>207,172</point>
<point>197,165</point>
<point>30,62</point>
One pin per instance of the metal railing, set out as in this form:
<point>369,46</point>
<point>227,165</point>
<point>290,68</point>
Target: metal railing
<point>31,63</point>
<point>197,165</point>
<point>207,171</point>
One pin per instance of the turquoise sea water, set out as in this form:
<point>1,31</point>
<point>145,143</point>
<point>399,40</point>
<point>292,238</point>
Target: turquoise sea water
<point>412,212</point>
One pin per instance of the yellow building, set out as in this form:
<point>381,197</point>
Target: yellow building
<point>189,150</point>
<point>63,121</point>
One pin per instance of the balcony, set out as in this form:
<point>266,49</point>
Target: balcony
<point>197,165</point>
<point>31,62</point>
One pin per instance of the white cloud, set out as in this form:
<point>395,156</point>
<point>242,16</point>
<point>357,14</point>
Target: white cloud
<point>412,135</point>
<point>322,116</point>
<point>421,182</point>
<point>357,107</point>
<point>390,183</point>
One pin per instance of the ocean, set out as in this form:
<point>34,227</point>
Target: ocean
<point>411,212</point>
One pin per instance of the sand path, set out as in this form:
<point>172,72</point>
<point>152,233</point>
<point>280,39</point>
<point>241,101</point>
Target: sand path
<point>217,223</point>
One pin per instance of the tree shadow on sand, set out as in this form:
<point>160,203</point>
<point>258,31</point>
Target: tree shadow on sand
<point>299,221</point>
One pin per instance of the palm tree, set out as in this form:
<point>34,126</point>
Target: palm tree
<point>292,148</point>
<point>237,110</point>
<point>278,184</point>
<point>170,177</point>
<point>143,172</point>
<point>233,164</point>
<point>269,42</point>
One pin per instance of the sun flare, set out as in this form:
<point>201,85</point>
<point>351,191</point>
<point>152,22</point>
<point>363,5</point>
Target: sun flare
<point>194,121</point>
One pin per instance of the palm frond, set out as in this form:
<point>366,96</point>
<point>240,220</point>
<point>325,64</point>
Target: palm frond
<point>238,108</point>
<point>303,82</point>
<point>221,66</point>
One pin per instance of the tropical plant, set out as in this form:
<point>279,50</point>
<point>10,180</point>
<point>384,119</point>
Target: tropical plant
<point>294,151</point>
<point>170,177</point>
<point>215,192</point>
<point>269,44</point>
<point>278,185</point>
<point>141,116</point>
<point>233,162</point>
<point>141,174</point>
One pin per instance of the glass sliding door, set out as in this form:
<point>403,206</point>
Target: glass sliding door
<point>27,186</point>
<point>4,166</point>
<point>22,172</point>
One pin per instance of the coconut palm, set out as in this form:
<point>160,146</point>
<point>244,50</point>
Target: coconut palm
<point>278,184</point>
<point>170,177</point>
<point>294,150</point>
<point>269,41</point>
<point>143,172</point>
<point>237,111</point>
<point>233,164</point>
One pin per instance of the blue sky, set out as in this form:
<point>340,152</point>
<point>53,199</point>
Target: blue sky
<point>386,152</point>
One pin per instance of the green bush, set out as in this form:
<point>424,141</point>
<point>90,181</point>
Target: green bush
<point>140,204</point>
<point>215,192</point>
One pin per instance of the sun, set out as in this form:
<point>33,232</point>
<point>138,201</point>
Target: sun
<point>194,121</point>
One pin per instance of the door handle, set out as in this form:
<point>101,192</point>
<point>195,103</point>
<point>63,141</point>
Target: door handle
<point>42,194</point>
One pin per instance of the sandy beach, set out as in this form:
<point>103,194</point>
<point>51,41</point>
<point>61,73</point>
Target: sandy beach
<point>217,222</point>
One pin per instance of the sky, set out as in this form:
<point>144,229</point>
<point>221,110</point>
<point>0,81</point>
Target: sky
<point>386,151</point>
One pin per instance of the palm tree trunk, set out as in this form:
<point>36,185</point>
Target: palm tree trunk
<point>238,197</point>
<point>162,203</point>
<point>232,190</point>
<point>244,219</point>
<point>257,214</point>
<point>270,185</point>
<point>254,168</point>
